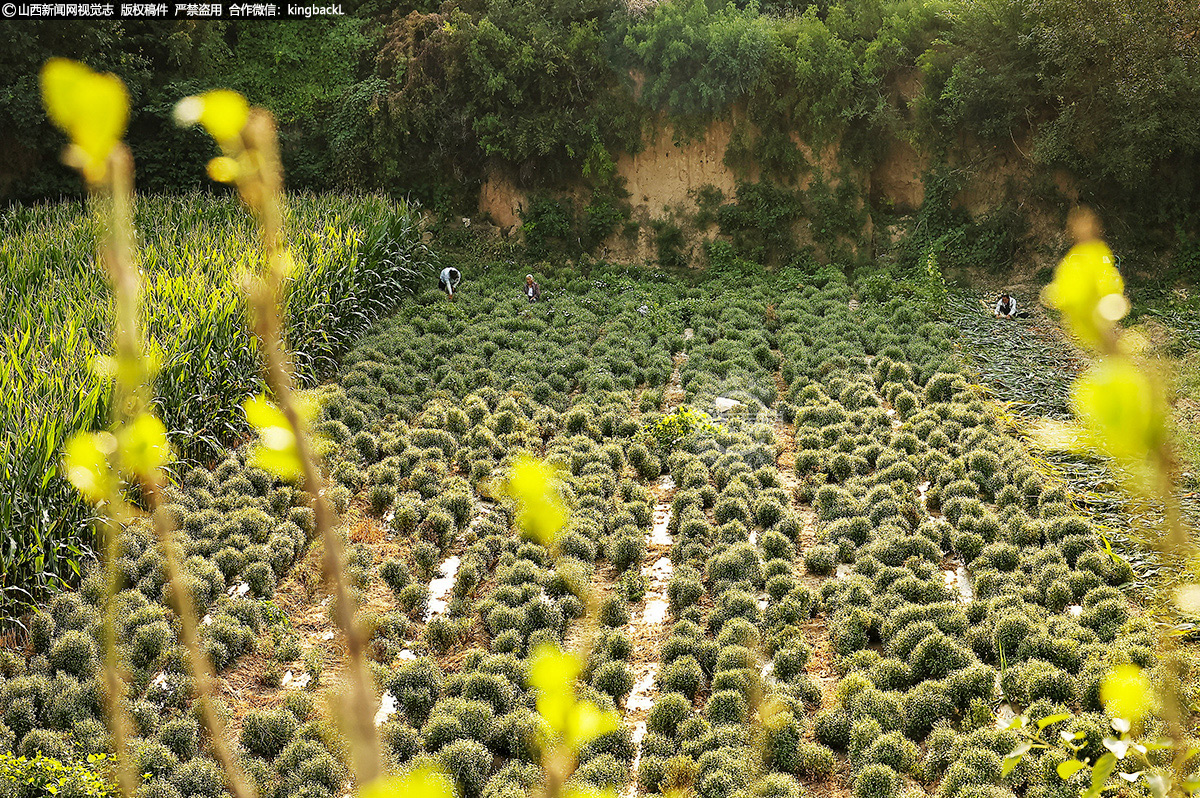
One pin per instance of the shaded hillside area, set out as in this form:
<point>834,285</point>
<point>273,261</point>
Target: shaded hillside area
<point>829,131</point>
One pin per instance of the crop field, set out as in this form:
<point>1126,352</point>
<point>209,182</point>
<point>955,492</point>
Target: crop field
<point>817,561</point>
<point>357,257</point>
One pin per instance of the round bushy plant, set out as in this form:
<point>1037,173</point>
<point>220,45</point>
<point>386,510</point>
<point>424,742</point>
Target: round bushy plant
<point>469,763</point>
<point>613,678</point>
<point>820,560</point>
<point>727,706</point>
<point>684,590</point>
<point>876,781</point>
<point>74,653</point>
<point>667,713</point>
<point>614,612</point>
<point>683,675</point>
<point>200,776</point>
<point>266,733</point>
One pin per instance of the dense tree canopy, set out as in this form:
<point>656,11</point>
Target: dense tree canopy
<point>426,99</point>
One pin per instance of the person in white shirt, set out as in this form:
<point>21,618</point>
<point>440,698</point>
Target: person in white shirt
<point>1006,307</point>
<point>449,280</point>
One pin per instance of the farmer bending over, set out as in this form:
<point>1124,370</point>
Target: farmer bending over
<point>449,280</point>
<point>533,291</point>
<point>1006,307</point>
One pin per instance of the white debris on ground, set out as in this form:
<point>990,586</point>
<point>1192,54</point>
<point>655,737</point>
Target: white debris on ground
<point>891,413</point>
<point>656,612</point>
<point>239,590</point>
<point>407,654</point>
<point>843,571</point>
<point>658,575</point>
<point>688,334</point>
<point>482,511</point>
<point>922,494</point>
<point>639,733</point>
<point>296,682</point>
<point>659,536</point>
<point>959,580</point>
<point>387,708</point>
<point>640,697</point>
<point>327,635</point>
<point>724,404</point>
<point>440,587</point>
<point>1075,609</point>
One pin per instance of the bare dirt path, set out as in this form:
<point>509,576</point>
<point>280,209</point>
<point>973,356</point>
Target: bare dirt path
<point>647,625</point>
<point>820,665</point>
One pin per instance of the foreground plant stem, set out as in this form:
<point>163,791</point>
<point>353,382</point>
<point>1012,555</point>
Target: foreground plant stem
<point>116,254</point>
<point>130,397</point>
<point>262,191</point>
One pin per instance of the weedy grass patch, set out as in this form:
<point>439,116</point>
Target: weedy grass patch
<point>355,259</point>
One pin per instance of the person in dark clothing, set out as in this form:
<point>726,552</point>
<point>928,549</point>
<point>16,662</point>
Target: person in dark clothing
<point>449,280</point>
<point>533,291</point>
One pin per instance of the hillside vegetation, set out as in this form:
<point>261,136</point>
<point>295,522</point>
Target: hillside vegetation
<point>1094,100</point>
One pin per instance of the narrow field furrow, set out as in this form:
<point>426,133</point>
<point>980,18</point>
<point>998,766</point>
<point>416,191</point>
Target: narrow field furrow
<point>647,621</point>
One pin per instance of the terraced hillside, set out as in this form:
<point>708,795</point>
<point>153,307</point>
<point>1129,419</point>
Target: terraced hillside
<point>835,583</point>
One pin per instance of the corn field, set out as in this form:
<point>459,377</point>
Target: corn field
<point>356,257</point>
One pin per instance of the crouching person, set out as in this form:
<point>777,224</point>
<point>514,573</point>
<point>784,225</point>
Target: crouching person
<point>449,279</point>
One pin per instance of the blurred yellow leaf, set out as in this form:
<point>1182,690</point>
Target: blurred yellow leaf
<point>540,510</point>
<point>277,453</point>
<point>1069,768</point>
<point>90,107</point>
<point>225,113</point>
<point>1187,598</point>
<point>1120,409</point>
<point>263,414</point>
<point>307,404</point>
<point>143,445</point>
<point>586,722</point>
<point>1089,291</point>
<point>1126,693</point>
<point>425,782</point>
<point>85,459</point>
<point>552,672</point>
<point>223,169</point>
<point>104,366</point>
